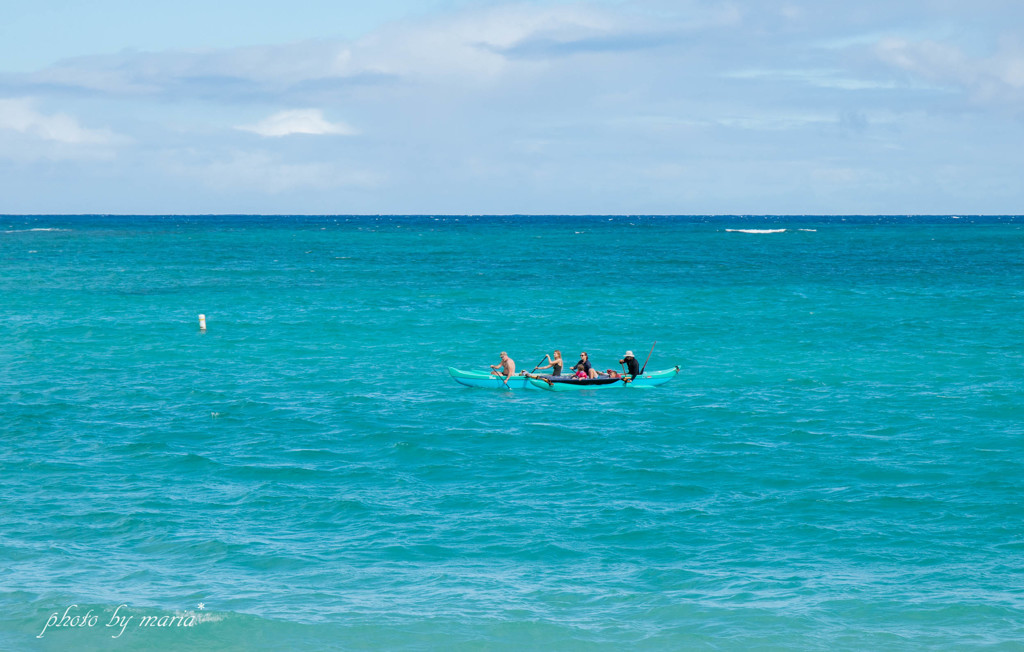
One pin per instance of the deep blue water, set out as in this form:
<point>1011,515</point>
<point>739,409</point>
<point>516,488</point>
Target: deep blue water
<point>838,466</point>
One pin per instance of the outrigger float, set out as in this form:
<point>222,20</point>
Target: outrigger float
<point>560,383</point>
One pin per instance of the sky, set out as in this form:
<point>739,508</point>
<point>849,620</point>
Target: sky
<point>489,107</point>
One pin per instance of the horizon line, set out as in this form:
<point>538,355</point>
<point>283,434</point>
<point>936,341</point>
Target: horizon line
<point>951,215</point>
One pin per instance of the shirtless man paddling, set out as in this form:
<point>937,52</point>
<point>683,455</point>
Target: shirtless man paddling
<point>507,368</point>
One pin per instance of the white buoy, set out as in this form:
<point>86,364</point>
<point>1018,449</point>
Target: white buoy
<point>202,322</point>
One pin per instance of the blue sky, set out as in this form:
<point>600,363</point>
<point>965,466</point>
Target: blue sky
<point>438,106</point>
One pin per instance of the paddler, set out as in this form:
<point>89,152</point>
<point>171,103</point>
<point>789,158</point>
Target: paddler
<point>554,363</point>
<point>585,366</point>
<point>507,368</point>
<point>631,364</point>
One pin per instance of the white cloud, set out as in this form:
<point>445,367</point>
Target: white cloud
<point>21,116</point>
<point>472,45</point>
<point>995,79</point>
<point>824,78</point>
<point>261,172</point>
<point>298,121</point>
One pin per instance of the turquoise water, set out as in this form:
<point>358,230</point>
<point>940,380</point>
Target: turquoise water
<point>838,466</point>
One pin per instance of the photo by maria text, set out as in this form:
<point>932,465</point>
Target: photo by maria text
<point>119,621</point>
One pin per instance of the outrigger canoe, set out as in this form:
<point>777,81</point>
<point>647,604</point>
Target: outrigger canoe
<point>559,383</point>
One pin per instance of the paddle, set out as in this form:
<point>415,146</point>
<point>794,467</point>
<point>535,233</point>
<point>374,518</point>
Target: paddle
<point>648,358</point>
<point>538,364</point>
<point>503,379</point>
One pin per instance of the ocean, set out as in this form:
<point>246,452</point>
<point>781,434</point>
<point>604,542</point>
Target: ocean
<point>839,464</point>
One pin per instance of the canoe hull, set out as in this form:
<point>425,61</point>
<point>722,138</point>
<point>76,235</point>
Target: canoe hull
<point>487,380</point>
<point>652,379</point>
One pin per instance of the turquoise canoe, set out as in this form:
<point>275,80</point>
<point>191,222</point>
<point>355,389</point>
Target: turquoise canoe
<point>490,381</point>
<point>487,379</point>
<point>568,384</point>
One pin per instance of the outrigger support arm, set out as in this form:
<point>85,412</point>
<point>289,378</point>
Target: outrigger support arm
<point>648,358</point>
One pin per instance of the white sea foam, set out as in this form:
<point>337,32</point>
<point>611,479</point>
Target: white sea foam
<point>201,617</point>
<point>756,230</point>
<point>30,230</point>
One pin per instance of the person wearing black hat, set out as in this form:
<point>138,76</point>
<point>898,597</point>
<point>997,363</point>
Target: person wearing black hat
<point>631,364</point>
